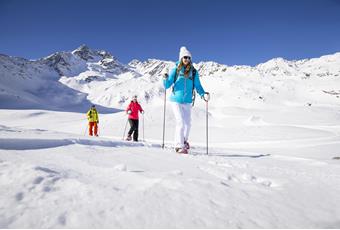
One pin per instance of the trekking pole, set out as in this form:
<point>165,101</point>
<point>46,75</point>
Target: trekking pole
<point>125,128</point>
<point>86,129</point>
<point>206,122</point>
<point>143,128</point>
<point>164,117</point>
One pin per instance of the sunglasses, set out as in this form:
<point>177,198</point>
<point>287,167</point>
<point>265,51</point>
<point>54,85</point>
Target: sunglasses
<point>187,57</point>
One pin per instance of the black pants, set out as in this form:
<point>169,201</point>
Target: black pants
<point>133,129</point>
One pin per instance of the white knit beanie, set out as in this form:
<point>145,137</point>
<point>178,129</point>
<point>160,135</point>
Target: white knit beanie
<point>184,52</point>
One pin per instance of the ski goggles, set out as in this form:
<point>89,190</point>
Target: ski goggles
<point>187,57</point>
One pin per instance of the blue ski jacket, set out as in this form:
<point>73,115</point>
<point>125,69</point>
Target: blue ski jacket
<point>183,87</point>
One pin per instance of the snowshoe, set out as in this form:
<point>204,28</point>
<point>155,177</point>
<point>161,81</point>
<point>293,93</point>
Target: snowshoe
<point>181,150</point>
<point>129,138</point>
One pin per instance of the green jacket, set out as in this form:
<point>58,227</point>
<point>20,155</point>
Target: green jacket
<point>92,115</point>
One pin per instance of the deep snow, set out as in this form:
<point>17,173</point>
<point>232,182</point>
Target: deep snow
<point>274,131</point>
<point>55,179</point>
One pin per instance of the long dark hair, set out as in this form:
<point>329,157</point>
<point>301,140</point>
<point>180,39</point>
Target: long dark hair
<point>186,70</point>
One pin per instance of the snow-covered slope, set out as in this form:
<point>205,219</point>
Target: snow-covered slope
<point>273,135</point>
<point>36,83</point>
<point>84,76</point>
<point>62,179</point>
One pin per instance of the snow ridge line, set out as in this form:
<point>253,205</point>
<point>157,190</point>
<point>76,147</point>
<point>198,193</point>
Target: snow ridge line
<point>28,144</point>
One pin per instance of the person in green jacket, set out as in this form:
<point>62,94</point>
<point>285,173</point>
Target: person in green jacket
<point>93,118</point>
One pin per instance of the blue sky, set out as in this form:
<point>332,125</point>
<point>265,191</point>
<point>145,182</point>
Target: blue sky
<point>226,31</point>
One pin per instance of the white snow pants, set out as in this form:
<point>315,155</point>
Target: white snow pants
<point>182,114</point>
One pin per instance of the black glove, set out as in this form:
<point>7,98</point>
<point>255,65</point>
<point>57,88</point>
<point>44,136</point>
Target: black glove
<point>165,76</point>
<point>206,96</point>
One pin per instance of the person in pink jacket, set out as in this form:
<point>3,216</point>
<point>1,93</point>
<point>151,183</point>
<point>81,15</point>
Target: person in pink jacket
<point>133,110</point>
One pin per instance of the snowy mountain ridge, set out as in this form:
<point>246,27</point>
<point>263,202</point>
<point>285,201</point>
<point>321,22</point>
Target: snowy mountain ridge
<point>84,76</point>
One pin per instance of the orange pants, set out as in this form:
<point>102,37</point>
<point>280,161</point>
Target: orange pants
<point>93,127</point>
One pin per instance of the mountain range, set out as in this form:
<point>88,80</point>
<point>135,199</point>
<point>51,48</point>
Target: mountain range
<point>72,80</point>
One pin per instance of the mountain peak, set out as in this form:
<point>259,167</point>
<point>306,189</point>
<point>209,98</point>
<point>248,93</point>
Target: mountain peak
<point>86,53</point>
<point>82,48</point>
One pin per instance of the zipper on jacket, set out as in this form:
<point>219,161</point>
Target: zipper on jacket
<point>185,88</point>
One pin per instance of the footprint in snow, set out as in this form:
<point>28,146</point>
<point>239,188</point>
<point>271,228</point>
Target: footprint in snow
<point>38,180</point>
<point>244,178</point>
<point>19,196</point>
<point>120,167</point>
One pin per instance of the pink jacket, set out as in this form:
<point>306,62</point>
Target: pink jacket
<point>134,107</point>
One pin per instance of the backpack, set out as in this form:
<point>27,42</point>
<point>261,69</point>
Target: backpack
<point>90,113</point>
<point>194,71</point>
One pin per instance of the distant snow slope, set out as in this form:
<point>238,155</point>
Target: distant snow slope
<point>83,76</point>
<point>36,84</point>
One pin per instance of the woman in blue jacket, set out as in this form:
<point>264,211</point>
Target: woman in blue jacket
<point>184,79</point>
